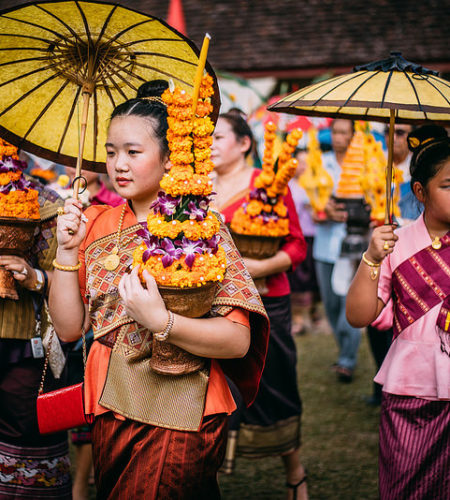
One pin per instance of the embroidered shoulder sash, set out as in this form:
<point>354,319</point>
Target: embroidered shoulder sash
<point>419,284</point>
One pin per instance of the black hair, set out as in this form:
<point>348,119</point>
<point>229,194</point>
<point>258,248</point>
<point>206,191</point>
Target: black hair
<point>430,146</point>
<point>155,110</point>
<point>240,127</point>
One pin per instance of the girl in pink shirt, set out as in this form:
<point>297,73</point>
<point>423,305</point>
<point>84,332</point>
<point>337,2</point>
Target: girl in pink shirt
<point>403,281</point>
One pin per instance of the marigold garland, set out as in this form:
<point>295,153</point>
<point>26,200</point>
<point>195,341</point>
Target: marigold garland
<point>315,180</point>
<point>264,212</point>
<point>373,179</point>
<point>17,196</point>
<point>183,248</point>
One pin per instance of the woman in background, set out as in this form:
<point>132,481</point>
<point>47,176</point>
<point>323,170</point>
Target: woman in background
<point>271,426</point>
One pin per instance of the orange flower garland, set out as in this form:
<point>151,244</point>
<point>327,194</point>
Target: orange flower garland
<point>183,248</point>
<point>17,198</point>
<point>264,212</point>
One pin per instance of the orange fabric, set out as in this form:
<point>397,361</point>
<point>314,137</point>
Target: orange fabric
<point>218,395</point>
<point>108,223</point>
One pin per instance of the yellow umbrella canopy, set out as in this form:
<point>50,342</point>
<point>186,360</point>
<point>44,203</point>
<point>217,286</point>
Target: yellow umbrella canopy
<point>392,90</point>
<point>416,94</point>
<point>65,65</point>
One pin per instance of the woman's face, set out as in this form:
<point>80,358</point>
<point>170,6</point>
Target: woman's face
<point>133,158</point>
<point>227,149</point>
<point>437,197</point>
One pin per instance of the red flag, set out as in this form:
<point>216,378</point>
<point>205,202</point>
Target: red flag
<point>175,16</point>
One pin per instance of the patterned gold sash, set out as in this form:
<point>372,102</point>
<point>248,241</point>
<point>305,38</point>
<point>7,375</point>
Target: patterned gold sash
<point>135,391</point>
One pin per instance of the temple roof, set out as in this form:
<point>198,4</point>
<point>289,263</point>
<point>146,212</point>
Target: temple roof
<point>261,37</point>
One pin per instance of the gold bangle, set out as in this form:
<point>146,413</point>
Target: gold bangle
<point>374,267</point>
<point>370,263</point>
<point>66,268</point>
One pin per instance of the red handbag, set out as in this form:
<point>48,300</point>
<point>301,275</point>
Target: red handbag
<point>62,409</point>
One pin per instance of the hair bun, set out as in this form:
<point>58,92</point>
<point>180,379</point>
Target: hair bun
<point>153,88</point>
<point>419,138</point>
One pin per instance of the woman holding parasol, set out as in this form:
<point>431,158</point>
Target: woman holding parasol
<point>170,440</point>
<point>403,282</point>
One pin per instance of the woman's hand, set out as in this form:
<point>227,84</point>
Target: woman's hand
<point>71,228</point>
<point>381,243</point>
<point>144,305</point>
<point>255,267</point>
<point>22,271</point>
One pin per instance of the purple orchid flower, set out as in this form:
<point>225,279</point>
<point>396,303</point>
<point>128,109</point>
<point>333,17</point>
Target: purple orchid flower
<point>152,248</point>
<point>166,204</point>
<point>169,251</point>
<point>259,194</point>
<point>204,201</point>
<point>8,163</point>
<point>195,212</point>
<point>19,185</point>
<point>189,249</point>
<point>268,217</point>
<point>212,245</point>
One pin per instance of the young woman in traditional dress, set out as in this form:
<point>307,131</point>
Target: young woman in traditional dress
<point>271,426</point>
<point>404,281</point>
<point>154,436</point>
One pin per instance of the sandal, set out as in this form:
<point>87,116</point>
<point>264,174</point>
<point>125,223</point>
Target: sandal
<point>295,486</point>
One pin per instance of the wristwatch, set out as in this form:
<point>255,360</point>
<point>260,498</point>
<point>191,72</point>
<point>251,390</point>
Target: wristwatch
<point>39,285</point>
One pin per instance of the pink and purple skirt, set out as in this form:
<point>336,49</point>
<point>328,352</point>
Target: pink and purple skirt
<point>414,458</point>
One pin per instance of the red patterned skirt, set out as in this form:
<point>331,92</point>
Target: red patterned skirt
<point>134,460</point>
<point>414,448</point>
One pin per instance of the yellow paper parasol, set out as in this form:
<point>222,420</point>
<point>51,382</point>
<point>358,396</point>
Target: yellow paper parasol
<point>391,90</point>
<point>65,65</point>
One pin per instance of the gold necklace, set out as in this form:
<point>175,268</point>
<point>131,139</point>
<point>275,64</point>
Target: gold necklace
<point>113,260</point>
<point>436,243</point>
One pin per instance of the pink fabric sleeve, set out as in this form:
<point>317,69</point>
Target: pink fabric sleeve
<point>386,317</point>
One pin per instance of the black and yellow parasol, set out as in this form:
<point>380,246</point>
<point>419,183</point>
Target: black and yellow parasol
<point>64,66</point>
<point>392,90</point>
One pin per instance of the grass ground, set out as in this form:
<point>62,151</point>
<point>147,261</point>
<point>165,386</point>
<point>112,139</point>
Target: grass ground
<point>340,433</point>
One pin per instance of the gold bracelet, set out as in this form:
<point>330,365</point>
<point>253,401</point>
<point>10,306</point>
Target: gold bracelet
<point>374,267</point>
<point>66,268</point>
<point>164,335</point>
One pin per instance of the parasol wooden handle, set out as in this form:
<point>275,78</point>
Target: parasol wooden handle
<point>387,216</point>
<point>88,89</point>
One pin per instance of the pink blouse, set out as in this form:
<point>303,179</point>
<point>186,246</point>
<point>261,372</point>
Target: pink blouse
<point>415,364</point>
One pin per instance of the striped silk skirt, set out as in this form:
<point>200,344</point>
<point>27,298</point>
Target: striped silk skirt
<point>134,460</point>
<point>414,460</point>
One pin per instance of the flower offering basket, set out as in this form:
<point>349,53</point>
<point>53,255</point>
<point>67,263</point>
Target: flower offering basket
<point>257,247</point>
<point>16,237</point>
<point>260,223</point>
<point>192,302</point>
